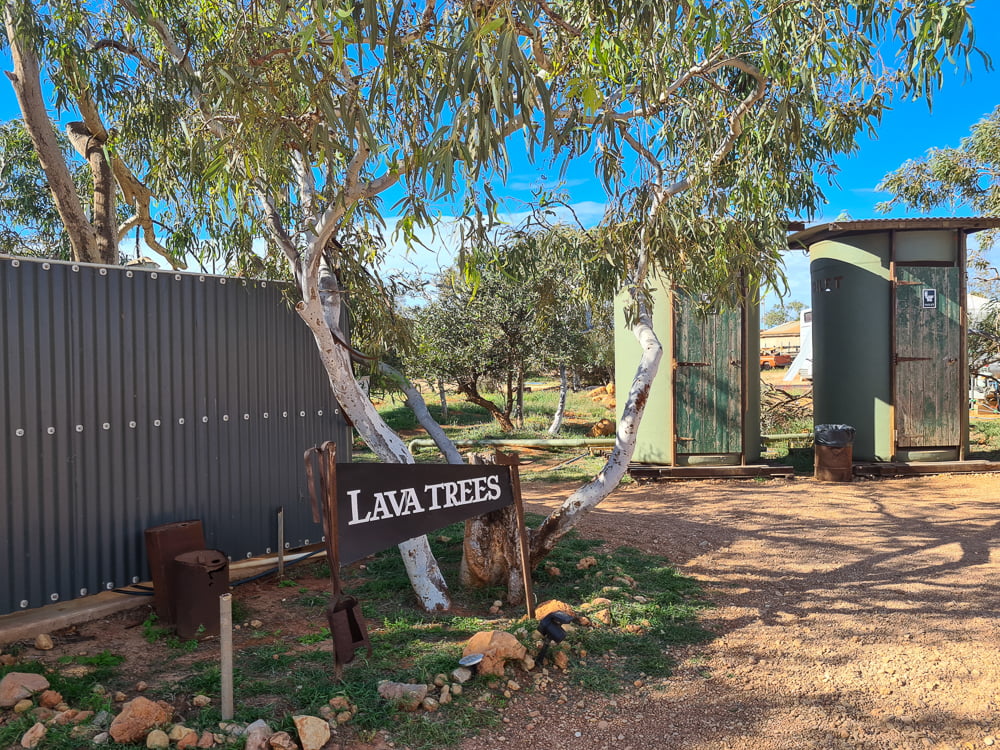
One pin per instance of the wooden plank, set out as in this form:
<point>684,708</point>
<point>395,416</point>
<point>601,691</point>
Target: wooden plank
<point>646,471</point>
<point>899,469</point>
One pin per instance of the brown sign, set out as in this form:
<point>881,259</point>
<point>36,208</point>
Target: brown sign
<point>381,505</point>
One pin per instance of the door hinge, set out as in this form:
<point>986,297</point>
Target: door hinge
<point>911,359</point>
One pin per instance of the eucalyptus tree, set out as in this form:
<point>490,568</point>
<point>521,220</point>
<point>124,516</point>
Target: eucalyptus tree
<point>966,175</point>
<point>48,45</point>
<point>29,222</point>
<point>709,121</point>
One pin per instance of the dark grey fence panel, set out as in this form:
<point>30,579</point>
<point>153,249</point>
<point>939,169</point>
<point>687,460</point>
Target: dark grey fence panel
<point>132,398</point>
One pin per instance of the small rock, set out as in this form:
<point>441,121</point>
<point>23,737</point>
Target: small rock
<point>313,732</point>
<point>16,686</point>
<point>188,741</point>
<point>257,734</point>
<point>99,690</point>
<point>137,718</point>
<point>603,725</point>
<point>603,616</point>
<point>429,704</point>
<point>553,571</point>
<point>528,663</point>
<point>553,605</point>
<point>177,731</point>
<point>101,738</point>
<point>23,706</point>
<point>201,701</point>
<point>141,686</point>
<point>50,699</point>
<point>43,642</point>
<point>586,562</point>
<point>62,706</point>
<point>326,712</point>
<point>157,740</point>
<point>207,739</point>
<point>344,716</point>
<point>989,741</point>
<point>513,686</point>
<point>405,696</point>
<point>63,718</point>
<point>440,680</point>
<point>282,741</point>
<point>461,675</point>
<point>33,736</point>
<point>82,716</point>
<point>560,659</point>
<point>120,697</point>
<point>456,689</point>
<point>102,720</point>
<point>496,647</point>
<point>340,703</point>
<point>256,624</point>
<point>445,696</point>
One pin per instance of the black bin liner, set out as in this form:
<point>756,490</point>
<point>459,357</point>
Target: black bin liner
<point>834,435</point>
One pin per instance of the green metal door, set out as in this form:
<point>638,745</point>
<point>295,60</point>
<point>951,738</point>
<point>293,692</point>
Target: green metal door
<point>707,378</point>
<point>928,384</point>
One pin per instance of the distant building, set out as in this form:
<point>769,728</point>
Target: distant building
<point>783,339</point>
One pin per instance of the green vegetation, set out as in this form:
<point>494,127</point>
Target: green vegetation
<point>650,608</point>
<point>468,421</point>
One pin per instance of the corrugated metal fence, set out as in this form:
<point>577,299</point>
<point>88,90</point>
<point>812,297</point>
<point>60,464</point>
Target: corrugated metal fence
<point>130,399</point>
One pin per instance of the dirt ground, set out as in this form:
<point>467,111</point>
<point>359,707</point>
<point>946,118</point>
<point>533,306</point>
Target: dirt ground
<point>859,615</point>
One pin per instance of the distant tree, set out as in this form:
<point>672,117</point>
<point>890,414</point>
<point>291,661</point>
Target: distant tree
<point>29,221</point>
<point>984,338</point>
<point>968,175</point>
<point>781,313</point>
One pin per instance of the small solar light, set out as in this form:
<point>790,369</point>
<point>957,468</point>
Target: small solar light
<point>551,628</point>
<point>471,662</point>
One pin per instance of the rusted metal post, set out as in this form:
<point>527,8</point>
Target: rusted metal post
<point>511,461</point>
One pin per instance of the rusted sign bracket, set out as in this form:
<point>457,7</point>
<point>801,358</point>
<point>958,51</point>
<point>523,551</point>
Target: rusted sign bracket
<point>347,624</point>
<point>511,461</point>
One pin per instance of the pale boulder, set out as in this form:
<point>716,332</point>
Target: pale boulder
<point>313,732</point>
<point>497,647</point>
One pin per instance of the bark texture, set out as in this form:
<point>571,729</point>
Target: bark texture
<point>468,389</point>
<point>490,549</point>
<point>26,81</point>
<point>557,418</point>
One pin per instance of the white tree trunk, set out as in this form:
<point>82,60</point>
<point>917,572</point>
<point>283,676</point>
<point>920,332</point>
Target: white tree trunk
<point>444,400</point>
<point>592,493</point>
<point>323,319</point>
<point>28,89</point>
<point>557,418</point>
<point>419,408</point>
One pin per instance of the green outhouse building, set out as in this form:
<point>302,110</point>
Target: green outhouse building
<point>889,333</point>
<point>704,404</point>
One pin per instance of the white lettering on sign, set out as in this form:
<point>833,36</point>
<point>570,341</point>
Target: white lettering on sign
<point>406,502</point>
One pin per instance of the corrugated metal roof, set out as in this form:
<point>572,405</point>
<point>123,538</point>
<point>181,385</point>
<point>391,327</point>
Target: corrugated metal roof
<point>834,229</point>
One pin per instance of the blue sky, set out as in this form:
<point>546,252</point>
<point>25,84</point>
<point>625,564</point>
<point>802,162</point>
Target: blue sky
<point>906,132</point>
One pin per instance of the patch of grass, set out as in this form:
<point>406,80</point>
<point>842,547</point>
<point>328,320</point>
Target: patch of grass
<point>313,638</point>
<point>313,599</point>
<point>984,440</point>
<point>652,609</point>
